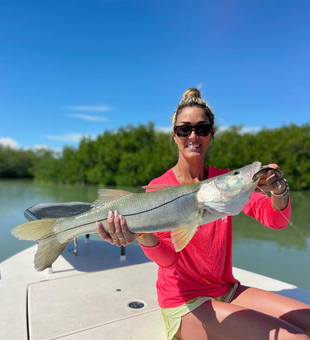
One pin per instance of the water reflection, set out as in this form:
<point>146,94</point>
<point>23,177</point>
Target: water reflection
<point>283,254</point>
<point>296,235</point>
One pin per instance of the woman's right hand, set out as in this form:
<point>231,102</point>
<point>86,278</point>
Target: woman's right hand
<point>118,232</point>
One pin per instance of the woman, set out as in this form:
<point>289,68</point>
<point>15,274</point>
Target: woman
<point>198,295</point>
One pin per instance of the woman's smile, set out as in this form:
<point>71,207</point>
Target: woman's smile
<point>193,146</point>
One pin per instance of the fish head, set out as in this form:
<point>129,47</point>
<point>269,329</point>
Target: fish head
<point>237,181</point>
<point>228,193</point>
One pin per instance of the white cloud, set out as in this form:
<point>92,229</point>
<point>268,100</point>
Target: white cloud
<point>244,129</point>
<point>220,121</point>
<point>199,86</point>
<point>68,137</point>
<point>166,129</point>
<point>251,129</point>
<point>9,142</point>
<point>37,147</point>
<point>89,108</point>
<point>89,118</point>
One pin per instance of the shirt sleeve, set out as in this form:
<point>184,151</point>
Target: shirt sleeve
<point>260,208</point>
<point>163,253</point>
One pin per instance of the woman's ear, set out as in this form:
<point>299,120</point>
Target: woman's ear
<point>212,133</point>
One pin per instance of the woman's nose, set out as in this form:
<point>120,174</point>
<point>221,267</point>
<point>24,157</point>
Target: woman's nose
<point>193,133</point>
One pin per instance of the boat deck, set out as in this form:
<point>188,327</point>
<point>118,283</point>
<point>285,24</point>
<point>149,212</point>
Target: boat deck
<point>88,296</point>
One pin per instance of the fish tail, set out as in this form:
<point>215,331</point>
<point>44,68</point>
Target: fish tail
<point>48,251</point>
<point>34,230</point>
<point>49,248</point>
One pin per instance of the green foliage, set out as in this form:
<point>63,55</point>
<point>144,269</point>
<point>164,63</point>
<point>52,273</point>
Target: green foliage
<point>288,146</point>
<point>132,156</point>
<point>129,157</point>
<point>232,149</point>
<point>16,163</point>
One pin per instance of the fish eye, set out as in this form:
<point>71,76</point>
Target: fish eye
<point>236,172</point>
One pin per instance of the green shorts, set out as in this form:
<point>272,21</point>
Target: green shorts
<point>172,316</point>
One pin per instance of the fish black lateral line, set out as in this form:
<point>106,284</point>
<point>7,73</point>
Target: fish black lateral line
<point>179,209</point>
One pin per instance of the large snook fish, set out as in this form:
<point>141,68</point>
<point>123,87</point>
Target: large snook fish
<point>180,209</point>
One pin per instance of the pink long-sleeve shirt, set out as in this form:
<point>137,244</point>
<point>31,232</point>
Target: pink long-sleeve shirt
<point>204,266</point>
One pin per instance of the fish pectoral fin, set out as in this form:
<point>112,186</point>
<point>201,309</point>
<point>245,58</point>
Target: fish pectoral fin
<point>229,207</point>
<point>215,207</point>
<point>108,195</point>
<point>181,236</point>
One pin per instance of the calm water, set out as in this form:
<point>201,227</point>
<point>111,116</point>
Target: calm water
<point>281,254</point>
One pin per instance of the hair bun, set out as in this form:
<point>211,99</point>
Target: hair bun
<point>192,97</point>
<point>191,93</point>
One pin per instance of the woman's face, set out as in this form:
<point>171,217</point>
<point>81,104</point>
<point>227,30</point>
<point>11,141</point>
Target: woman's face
<point>192,146</point>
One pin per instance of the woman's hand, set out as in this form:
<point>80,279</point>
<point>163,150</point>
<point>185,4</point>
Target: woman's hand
<point>272,181</point>
<point>118,232</point>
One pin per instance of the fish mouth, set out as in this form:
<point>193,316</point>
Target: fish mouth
<point>256,167</point>
<point>258,174</point>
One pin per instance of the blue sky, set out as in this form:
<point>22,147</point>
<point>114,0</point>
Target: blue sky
<point>74,67</point>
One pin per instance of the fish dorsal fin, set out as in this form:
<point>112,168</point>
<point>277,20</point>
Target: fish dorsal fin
<point>181,236</point>
<point>156,186</point>
<point>107,195</point>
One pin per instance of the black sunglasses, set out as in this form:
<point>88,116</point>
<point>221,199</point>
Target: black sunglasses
<point>202,130</point>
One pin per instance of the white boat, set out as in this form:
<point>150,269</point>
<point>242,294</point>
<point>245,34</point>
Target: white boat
<point>98,293</point>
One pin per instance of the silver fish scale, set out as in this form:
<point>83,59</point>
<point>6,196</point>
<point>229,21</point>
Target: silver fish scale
<point>168,216</point>
<point>147,212</point>
<point>157,210</point>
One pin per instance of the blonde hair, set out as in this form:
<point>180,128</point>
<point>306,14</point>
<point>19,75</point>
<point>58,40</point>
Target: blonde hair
<point>192,97</point>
